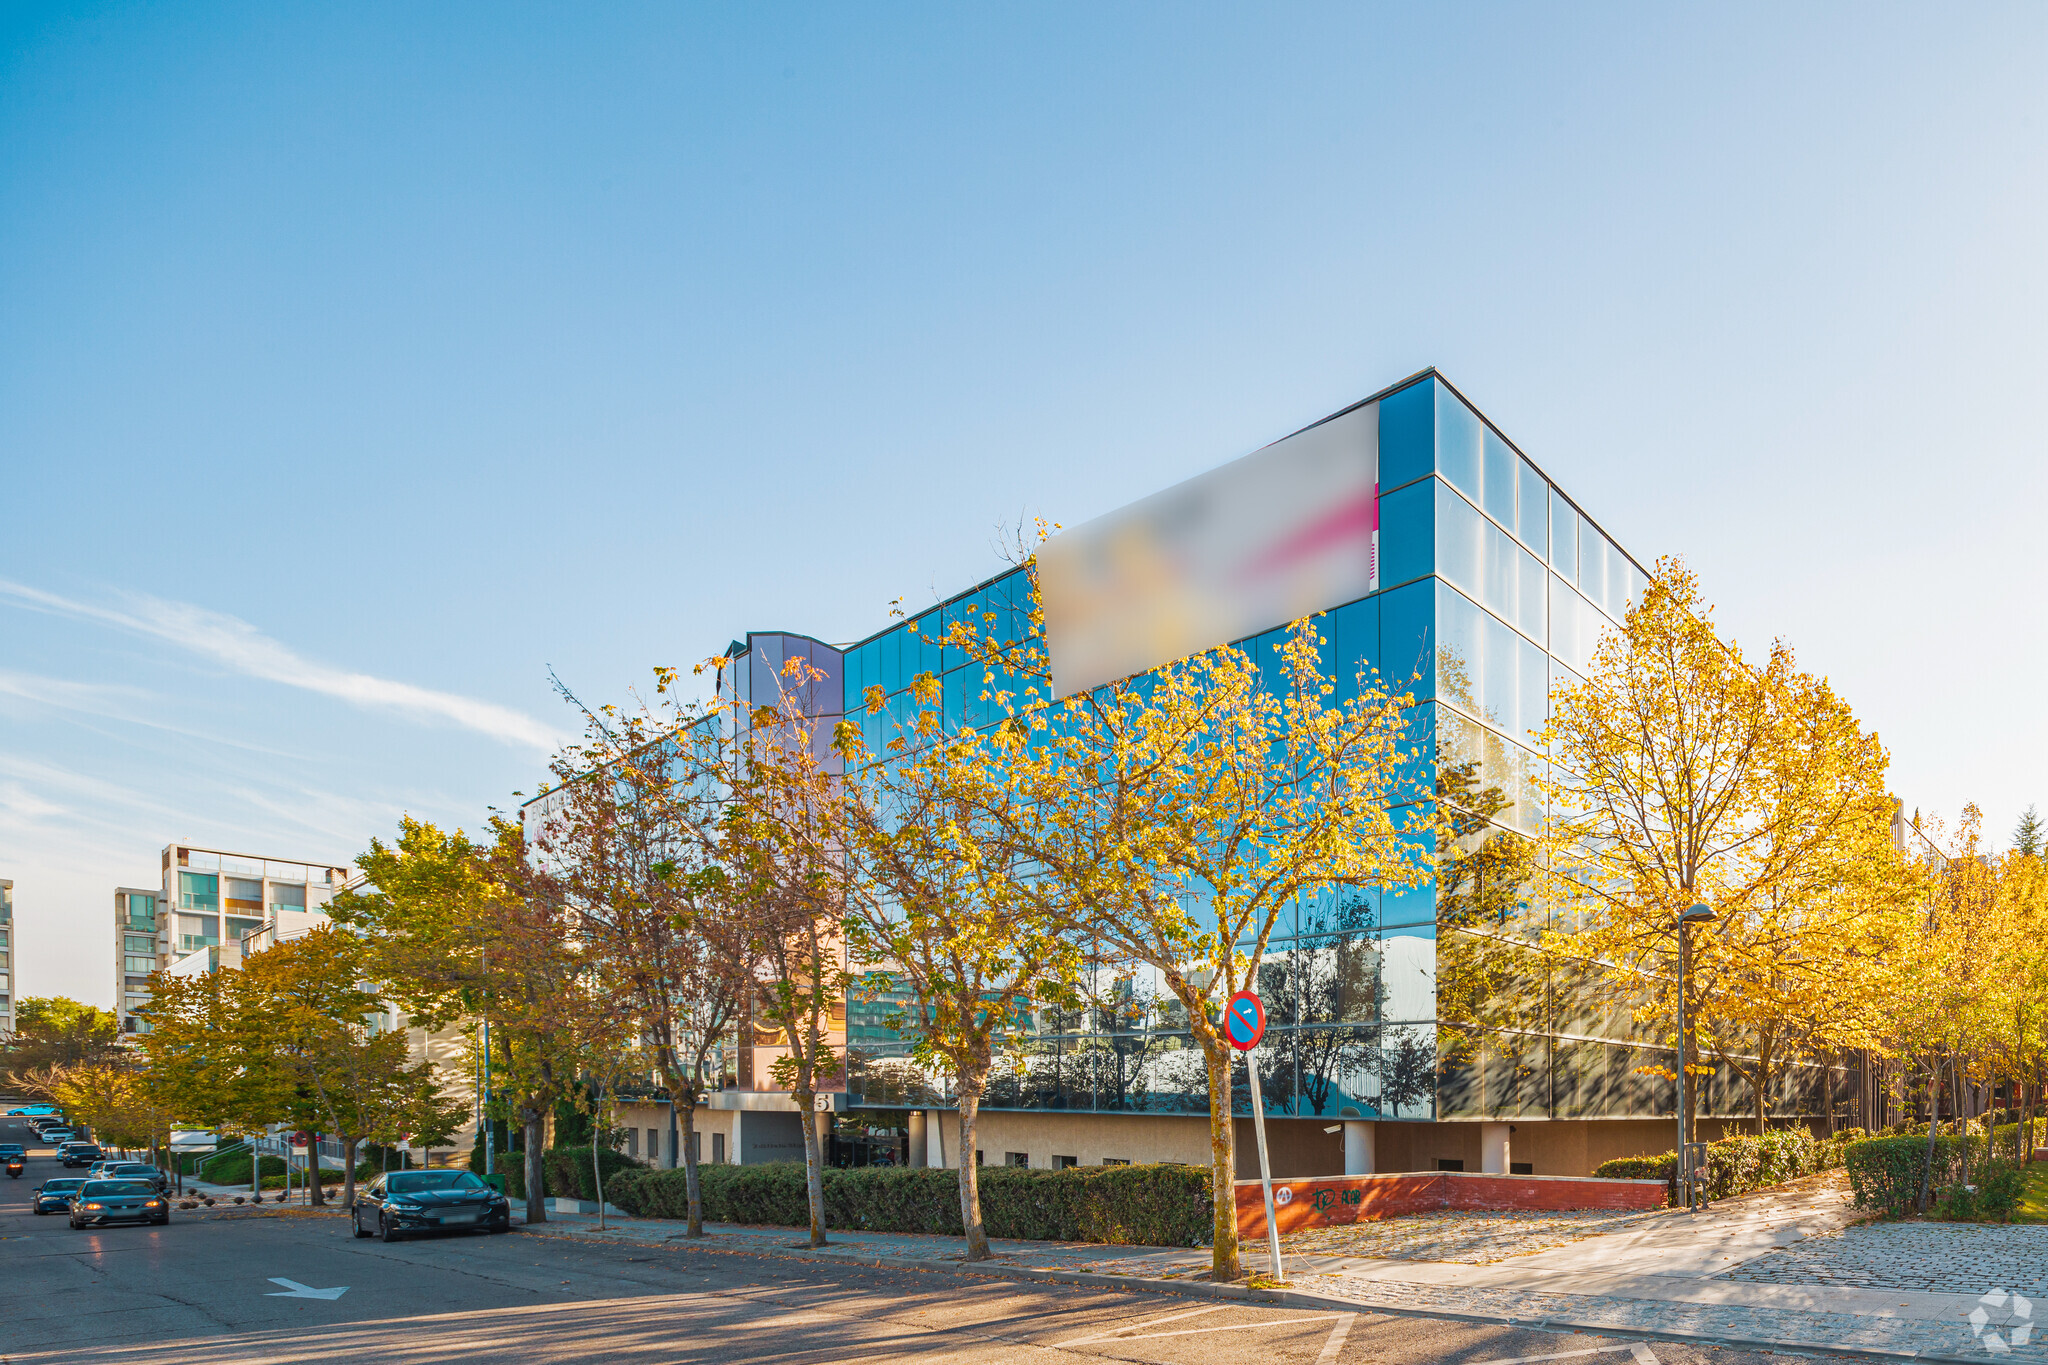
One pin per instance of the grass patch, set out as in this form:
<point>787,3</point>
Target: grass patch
<point>2033,1194</point>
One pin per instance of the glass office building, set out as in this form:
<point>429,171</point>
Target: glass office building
<point>1418,1009</point>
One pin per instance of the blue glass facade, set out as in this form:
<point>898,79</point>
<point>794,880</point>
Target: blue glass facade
<point>1422,1003</point>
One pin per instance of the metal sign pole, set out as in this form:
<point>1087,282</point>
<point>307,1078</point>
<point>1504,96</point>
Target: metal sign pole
<point>1251,1068</point>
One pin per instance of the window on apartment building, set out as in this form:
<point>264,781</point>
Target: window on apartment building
<point>1016,1158</point>
<point>134,943</point>
<point>633,1142</point>
<point>198,891</point>
<point>978,1155</point>
<point>1449,1163</point>
<point>1061,1163</point>
<point>287,897</point>
<point>141,912</point>
<point>718,1149</point>
<point>245,895</point>
<point>1521,1168</point>
<point>654,1145</point>
<point>1116,1161</point>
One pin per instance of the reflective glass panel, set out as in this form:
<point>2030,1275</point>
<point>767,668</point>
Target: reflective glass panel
<point>1564,537</point>
<point>1532,508</point>
<point>1407,616</point>
<point>1501,461</point>
<point>1460,542</point>
<point>1457,443</point>
<point>1407,534</point>
<point>1408,434</point>
<point>1592,563</point>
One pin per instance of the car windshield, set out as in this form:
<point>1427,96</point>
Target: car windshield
<point>414,1182</point>
<point>94,1188</point>
<point>133,1169</point>
<point>53,1185</point>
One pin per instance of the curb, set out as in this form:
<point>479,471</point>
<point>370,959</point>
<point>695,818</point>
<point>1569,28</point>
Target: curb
<point>1291,1298</point>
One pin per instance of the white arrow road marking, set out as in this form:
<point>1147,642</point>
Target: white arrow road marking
<point>294,1290</point>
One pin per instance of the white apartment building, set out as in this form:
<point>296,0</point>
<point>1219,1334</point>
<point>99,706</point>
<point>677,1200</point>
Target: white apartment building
<point>209,902</point>
<point>6,957</point>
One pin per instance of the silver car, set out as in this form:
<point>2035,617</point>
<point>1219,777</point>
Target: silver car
<point>100,1202</point>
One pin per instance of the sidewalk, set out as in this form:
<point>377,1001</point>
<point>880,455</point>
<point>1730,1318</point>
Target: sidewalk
<point>1777,1270</point>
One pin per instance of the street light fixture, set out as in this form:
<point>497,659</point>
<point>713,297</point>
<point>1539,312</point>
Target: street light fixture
<point>1696,913</point>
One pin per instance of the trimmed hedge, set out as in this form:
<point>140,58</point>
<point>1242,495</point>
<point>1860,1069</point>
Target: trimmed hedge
<point>569,1174</point>
<point>1884,1172</point>
<point>1739,1164</point>
<point>566,1171</point>
<point>1153,1205</point>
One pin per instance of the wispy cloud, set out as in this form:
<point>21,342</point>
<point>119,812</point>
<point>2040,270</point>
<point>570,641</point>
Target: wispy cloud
<point>235,644</point>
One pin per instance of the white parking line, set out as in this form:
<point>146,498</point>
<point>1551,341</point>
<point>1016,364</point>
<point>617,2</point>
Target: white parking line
<point>1328,1355</point>
<point>1642,1353</point>
<point>1141,1326</point>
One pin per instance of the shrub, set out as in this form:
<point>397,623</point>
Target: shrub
<point>1157,1205</point>
<point>1885,1173</point>
<point>569,1175</point>
<point>1738,1164</point>
<point>1663,1167</point>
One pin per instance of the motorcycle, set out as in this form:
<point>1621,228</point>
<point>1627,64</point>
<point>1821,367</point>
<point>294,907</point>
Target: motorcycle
<point>14,1167</point>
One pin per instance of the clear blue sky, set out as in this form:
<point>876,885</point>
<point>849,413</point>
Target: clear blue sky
<point>359,363</point>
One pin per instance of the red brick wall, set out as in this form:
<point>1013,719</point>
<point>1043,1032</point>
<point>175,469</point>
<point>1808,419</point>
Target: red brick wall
<point>1336,1200</point>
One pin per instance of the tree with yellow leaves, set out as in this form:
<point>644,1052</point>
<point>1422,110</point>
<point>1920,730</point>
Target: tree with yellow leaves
<point>944,896</point>
<point>1182,812</point>
<point>1684,774</point>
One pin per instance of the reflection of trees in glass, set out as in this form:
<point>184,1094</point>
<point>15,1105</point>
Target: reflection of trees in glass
<point>1488,988</point>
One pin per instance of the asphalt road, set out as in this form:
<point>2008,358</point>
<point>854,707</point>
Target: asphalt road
<point>216,1288</point>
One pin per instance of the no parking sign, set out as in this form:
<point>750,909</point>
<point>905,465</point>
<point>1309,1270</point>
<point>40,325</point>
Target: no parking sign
<point>1244,1021</point>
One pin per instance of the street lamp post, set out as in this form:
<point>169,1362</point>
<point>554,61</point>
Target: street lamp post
<point>1696,913</point>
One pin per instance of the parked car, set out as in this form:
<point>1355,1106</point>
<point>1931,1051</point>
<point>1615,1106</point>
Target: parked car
<point>30,1110</point>
<point>79,1154</point>
<point>53,1136</point>
<point>54,1196</point>
<point>401,1202</point>
<point>99,1202</point>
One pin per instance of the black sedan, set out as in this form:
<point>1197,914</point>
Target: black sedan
<point>54,1196</point>
<point>79,1154</point>
<point>99,1202</point>
<point>400,1202</point>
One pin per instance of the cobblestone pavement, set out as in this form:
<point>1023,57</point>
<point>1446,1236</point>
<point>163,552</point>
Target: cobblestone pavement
<point>1795,1328</point>
<point>1467,1238</point>
<point>1941,1258</point>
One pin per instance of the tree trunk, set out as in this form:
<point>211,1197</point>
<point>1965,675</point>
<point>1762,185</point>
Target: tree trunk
<point>685,1105</point>
<point>597,1174</point>
<point>814,1162</point>
<point>970,1177</point>
<point>1223,1262</point>
<point>348,1174</point>
<point>1933,1127</point>
<point>536,1175</point>
<point>314,1194</point>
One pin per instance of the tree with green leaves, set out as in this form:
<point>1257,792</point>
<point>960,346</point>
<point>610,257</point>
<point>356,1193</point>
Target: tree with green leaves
<point>56,1031</point>
<point>2027,835</point>
<point>460,929</point>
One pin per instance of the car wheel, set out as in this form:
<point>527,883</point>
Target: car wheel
<point>384,1228</point>
<point>355,1223</point>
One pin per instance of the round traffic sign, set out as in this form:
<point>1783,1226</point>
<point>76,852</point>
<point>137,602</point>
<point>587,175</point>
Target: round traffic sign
<point>1244,1021</point>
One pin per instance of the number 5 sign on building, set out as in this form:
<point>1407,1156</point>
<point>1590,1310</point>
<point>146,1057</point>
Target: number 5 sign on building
<point>1244,1024</point>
